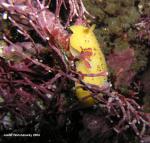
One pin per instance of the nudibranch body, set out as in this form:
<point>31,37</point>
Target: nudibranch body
<point>91,63</point>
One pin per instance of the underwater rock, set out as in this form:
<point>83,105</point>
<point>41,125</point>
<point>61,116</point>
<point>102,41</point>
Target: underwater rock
<point>145,79</point>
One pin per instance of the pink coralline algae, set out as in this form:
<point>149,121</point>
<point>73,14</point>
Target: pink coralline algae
<point>143,27</point>
<point>121,63</point>
<point>37,73</point>
<point>29,73</point>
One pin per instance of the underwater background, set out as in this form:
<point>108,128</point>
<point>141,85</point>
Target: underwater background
<point>38,74</point>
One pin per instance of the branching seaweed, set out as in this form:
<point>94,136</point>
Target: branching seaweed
<point>34,76</point>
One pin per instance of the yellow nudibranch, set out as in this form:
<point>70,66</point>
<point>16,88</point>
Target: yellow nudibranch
<point>84,45</point>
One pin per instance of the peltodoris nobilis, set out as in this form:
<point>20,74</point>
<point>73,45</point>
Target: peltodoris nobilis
<point>83,44</point>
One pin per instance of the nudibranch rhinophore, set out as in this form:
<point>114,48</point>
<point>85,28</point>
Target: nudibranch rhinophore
<point>83,44</point>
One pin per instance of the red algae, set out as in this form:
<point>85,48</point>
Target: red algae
<point>37,75</point>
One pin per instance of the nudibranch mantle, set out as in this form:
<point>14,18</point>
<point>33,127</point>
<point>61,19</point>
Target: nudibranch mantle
<point>84,45</point>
